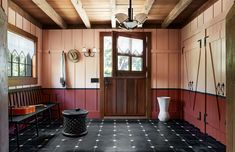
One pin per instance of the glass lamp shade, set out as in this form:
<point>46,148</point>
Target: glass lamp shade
<point>130,24</point>
<point>84,50</point>
<point>94,50</point>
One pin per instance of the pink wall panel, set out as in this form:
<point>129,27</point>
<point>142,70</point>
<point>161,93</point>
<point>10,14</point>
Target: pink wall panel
<point>208,14</point>
<point>174,40</point>
<point>88,38</point>
<point>70,74</point>
<point>55,69</point>
<point>174,76</point>
<point>67,37</point>
<point>162,39</point>
<point>19,21</point>
<point>32,29</point>
<point>77,39</point>
<point>11,16</point>
<point>26,25</point>
<point>218,8</point>
<point>154,70</point>
<point>162,70</point>
<point>46,70</point>
<point>55,40</point>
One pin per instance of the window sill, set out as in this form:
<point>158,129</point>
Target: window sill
<point>19,81</point>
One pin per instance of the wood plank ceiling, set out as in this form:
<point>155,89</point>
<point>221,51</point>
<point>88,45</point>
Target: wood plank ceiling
<point>100,12</point>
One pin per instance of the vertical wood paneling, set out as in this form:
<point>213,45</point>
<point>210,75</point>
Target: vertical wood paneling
<point>33,29</point>
<point>55,40</point>
<point>162,39</point>
<point>154,70</point>
<point>218,8</point>
<point>11,16</point>
<point>174,39</point>
<point>162,70</point>
<point>19,21</point>
<point>67,40</point>
<point>55,69</point>
<point>26,25</point>
<point>173,70</point>
<point>46,70</point>
<point>208,14</point>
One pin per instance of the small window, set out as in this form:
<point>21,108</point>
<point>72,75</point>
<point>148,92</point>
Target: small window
<point>130,54</point>
<point>108,56</point>
<point>20,55</point>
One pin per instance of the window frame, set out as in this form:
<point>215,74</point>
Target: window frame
<point>24,80</point>
<point>116,54</point>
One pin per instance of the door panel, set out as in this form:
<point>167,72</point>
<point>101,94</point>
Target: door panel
<point>125,96</point>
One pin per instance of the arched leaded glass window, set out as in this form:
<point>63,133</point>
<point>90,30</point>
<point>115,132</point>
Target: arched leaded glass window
<point>21,52</point>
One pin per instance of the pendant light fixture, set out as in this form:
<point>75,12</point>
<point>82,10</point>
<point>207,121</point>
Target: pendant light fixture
<point>128,22</point>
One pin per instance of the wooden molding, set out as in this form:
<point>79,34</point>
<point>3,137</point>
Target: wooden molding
<point>147,6</point>
<point>113,11</point>
<point>81,12</point>
<point>47,9</point>
<point>180,7</point>
<point>24,14</point>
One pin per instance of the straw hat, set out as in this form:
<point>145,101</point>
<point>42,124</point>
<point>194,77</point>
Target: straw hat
<point>73,55</point>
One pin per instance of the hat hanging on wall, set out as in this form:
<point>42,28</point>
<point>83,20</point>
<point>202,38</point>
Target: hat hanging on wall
<point>73,55</point>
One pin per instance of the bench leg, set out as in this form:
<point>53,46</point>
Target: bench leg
<point>36,124</point>
<point>49,111</point>
<point>58,106</point>
<point>17,136</point>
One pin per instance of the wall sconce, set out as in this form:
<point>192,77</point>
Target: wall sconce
<point>89,52</point>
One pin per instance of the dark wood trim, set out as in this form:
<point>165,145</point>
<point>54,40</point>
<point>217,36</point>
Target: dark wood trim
<point>15,81</point>
<point>149,73</point>
<point>102,34</point>
<point>204,7</point>
<point>23,13</point>
<point>21,32</point>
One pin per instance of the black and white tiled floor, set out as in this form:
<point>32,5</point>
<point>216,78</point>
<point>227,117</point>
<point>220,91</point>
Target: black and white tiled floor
<point>121,136</point>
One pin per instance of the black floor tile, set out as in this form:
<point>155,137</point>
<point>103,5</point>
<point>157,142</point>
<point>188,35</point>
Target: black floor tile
<point>119,136</point>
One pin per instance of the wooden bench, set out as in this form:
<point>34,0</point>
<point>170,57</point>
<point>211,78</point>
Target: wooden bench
<point>26,97</point>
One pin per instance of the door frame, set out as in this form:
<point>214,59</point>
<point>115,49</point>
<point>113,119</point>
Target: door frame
<point>148,70</point>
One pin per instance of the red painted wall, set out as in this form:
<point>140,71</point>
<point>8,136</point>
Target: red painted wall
<point>78,98</point>
<point>213,106</point>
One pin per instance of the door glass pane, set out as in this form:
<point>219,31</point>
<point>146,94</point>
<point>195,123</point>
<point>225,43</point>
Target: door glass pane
<point>137,64</point>
<point>137,47</point>
<point>123,63</point>
<point>123,45</point>
<point>9,69</point>
<point>107,56</point>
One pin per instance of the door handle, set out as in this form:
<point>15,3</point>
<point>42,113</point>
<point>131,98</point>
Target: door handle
<point>106,81</point>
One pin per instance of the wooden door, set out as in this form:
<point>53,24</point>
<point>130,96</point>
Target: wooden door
<point>125,90</point>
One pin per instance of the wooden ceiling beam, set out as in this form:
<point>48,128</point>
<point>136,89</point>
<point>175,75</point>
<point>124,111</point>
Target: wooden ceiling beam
<point>147,6</point>
<point>113,12</point>
<point>47,9</point>
<point>179,8</point>
<point>81,12</point>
